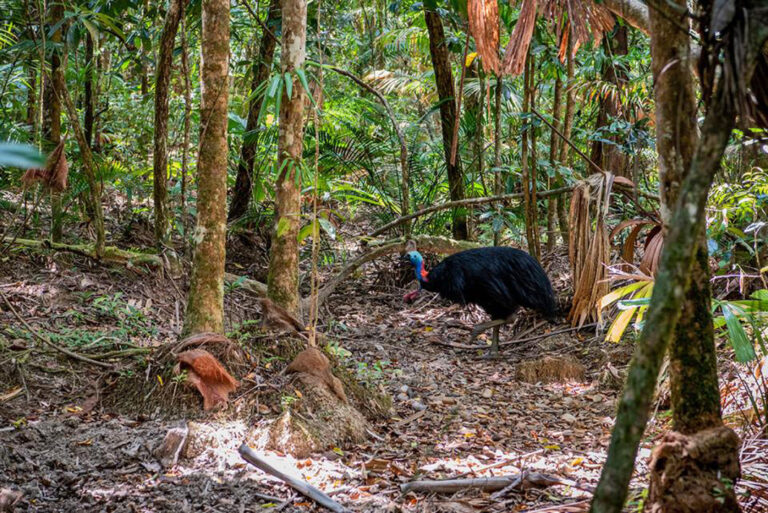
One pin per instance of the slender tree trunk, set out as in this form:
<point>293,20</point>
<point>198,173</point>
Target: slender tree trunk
<point>283,278</point>
<point>562,204</point>
<point>497,178</point>
<point>261,68</point>
<point>205,299</point>
<point>162,83</point>
<point>53,88</point>
<point>693,359</point>
<point>88,108</point>
<point>447,97</point>
<point>89,169</point>
<point>669,295</point>
<point>529,165</point>
<point>185,144</point>
<point>609,156</point>
<point>554,141</point>
<point>32,98</point>
<point>477,107</point>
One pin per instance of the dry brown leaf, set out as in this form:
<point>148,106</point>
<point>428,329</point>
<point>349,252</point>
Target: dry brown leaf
<point>211,378</point>
<point>53,175</point>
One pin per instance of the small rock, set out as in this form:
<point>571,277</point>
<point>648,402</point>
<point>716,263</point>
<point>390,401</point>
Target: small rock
<point>569,418</point>
<point>487,393</point>
<point>418,405</point>
<point>598,398</point>
<point>171,447</point>
<point>402,397</point>
<point>405,389</point>
<point>264,409</point>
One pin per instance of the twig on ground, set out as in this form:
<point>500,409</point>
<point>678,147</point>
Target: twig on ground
<point>46,341</point>
<point>523,480</point>
<point>300,486</point>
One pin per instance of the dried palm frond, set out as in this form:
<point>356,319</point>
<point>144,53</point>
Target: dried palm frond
<point>520,40</point>
<point>484,27</point>
<point>654,242</point>
<point>207,374</point>
<point>581,20</point>
<point>53,175</point>
<point>589,247</point>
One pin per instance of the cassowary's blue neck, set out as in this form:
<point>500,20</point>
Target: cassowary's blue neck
<point>419,269</point>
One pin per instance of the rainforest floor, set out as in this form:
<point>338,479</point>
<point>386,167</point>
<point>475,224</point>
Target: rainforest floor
<point>67,444</point>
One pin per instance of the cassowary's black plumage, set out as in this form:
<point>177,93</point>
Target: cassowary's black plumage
<point>498,279</point>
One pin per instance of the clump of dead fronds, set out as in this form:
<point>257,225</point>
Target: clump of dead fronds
<point>53,175</point>
<point>589,246</point>
<point>654,242</point>
<point>517,49</point>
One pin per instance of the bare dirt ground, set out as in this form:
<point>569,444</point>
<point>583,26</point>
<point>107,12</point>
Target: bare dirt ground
<point>67,448</point>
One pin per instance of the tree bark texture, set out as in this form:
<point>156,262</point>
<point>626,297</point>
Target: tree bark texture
<point>205,300</point>
<point>283,277</point>
<point>89,90</point>
<point>162,84</point>
<point>686,222</point>
<point>693,360</point>
<point>52,123</point>
<point>562,204</point>
<point>93,201</point>
<point>609,156</point>
<point>446,95</point>
<point>497,152</point>
<point>528,169</point>
<point>554,142</point>
<point>261,68</point>
<point>187,123</point>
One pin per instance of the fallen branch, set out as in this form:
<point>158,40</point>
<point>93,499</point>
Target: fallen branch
<point>466,202</point>
<point>111,253</point>
<point>46,341</point>
<point>300,486</point>
<point>501,484</point>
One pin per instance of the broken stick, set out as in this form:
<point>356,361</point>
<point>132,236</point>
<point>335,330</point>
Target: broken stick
<point>521,481</point>
<point>300,486</point>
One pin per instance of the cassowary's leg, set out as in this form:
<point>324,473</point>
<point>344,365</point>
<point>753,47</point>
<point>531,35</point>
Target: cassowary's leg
<point>495,341</point>
<point>483,326</point>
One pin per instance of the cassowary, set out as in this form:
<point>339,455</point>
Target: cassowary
<point>497,279</point>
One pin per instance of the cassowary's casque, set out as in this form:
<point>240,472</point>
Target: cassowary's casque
<point>498,279</point>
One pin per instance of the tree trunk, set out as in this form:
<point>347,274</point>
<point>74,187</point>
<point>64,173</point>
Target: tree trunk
<point>477,107</point>
<point>669,295</point>
<point>554,140</point>
<point>609,156</point>
<point>529,165</point>
<point>89,169</point>
<point>562,204</point>
<point>497,154</point>
<point>160,154</point>
<point>446,95</point>
<point>88,108</point>
<point>283,278</point>
<point>32,99</point>
<point>262,66</point>
<point>52,100</point>
<point>693,359</point>
<point>185,143</point>
<point>205,300</point>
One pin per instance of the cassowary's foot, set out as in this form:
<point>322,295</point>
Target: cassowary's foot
<point>483,326</point>
<point>493,353</point>
<point>409,297</point>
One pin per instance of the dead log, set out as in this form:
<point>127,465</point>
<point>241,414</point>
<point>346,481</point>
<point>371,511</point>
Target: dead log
<point>300,486</point>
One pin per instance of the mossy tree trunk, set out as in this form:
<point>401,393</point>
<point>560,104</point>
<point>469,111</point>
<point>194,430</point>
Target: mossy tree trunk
<point>528,165</point>
<point>687,220</point>
<point>693,360</point>
<point>160,154</point>
<point>89,90</point>
<point>52,122</point>
<point>497,176</point>
<point>205,299</point>
<point>261,68</point>
<point>441,63</point>
<point>283,277</point>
